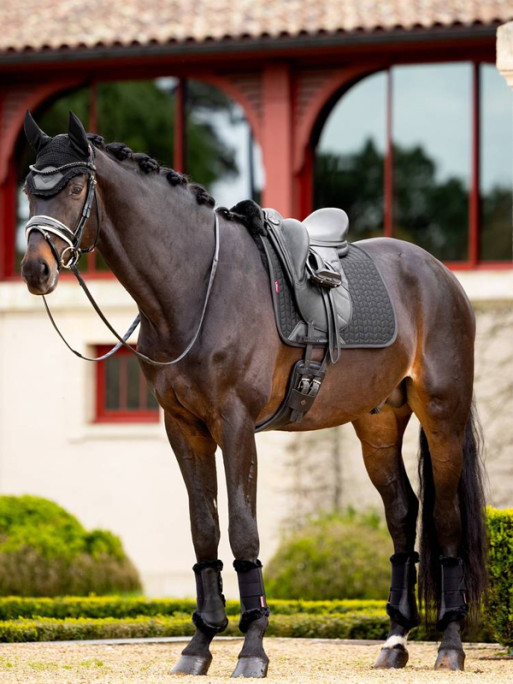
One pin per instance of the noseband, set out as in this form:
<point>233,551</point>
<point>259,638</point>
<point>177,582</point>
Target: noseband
<point>48,226</point>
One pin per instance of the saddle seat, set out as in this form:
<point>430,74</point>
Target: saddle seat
<point>311,252</point>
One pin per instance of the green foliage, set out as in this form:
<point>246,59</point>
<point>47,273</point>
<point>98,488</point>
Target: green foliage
<point>431,212</point>
<point>32,619</point>
<point>45,551</point>
<point>14,607</point>
<point>358,625</point>
<point>334,556</point>
<point>499,605</point>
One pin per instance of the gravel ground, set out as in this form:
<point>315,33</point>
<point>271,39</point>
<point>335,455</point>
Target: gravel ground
<point>292,660</point>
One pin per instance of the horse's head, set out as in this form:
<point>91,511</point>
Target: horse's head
<point>61,191</point>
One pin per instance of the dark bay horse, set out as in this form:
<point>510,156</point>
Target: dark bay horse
<point>157,233</point>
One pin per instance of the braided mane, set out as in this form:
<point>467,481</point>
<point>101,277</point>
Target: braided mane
<point>147,164</point>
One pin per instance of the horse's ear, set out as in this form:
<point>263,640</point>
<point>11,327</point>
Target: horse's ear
<point>36,137</point>
<point>77,134</point>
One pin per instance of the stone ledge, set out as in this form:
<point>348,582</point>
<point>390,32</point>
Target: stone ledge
<point>505,51</point>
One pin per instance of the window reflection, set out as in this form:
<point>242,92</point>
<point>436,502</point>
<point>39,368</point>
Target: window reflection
<point>350,157</point>
<point>496,167</point>
<point>432,142</point>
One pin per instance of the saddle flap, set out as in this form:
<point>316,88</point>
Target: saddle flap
<point>296,240</point>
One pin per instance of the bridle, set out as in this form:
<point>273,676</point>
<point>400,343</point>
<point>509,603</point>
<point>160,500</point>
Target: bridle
<point>48,226</point>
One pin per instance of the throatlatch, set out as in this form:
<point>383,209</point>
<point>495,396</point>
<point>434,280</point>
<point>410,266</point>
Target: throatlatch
<point>402,604</point>
<point>453,604</point>
<point>210,616</point>
<point>252,593</point>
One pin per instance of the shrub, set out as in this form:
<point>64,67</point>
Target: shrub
<point>45,551</point>
<point>332,557</point>
<point>14,607</point>
<point>499,608</point>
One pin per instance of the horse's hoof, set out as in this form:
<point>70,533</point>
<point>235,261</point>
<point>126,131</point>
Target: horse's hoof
<point>192,665</point>
<point>392,658</point>
<point>450,659</point>
<point>252,666</point>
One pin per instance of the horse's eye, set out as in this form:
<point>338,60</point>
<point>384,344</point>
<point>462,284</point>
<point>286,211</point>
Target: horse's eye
<point>76,189</point>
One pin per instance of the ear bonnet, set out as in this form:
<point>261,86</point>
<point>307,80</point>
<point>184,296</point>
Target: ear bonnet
<point>58,159</point>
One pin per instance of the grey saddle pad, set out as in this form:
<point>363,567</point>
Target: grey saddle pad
<point>373,322</point>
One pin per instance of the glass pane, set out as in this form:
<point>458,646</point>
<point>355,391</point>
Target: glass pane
<point>496,170</point>
<point>133,378</point>
<point>23,211</point>
<point>432,137</point>
<point>112,398</point>
<point>349,158</point>
<point>221,152</point>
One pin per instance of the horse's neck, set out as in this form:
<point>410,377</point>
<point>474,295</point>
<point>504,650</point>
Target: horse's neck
<point>159,244</point>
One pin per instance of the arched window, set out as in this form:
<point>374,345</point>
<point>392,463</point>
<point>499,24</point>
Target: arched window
<point>424,153</point>
<point>218,148</point>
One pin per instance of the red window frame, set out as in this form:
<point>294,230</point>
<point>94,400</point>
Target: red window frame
<point>123,414</point>
<point>473,262</point>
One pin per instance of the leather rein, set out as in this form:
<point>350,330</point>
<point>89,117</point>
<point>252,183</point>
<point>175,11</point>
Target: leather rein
<point>48,226</point>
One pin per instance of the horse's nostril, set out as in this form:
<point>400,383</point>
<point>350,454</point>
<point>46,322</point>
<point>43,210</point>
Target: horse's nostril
<point>45,269</point>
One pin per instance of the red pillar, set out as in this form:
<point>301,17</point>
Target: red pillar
<point>180,133</point>
<point>277,136</point>
<point>8,222</point>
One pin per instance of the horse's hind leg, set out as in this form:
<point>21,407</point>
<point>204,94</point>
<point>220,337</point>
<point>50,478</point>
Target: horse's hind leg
<point>381,437</point>
<point>195,451</point>
<point>452,544</point>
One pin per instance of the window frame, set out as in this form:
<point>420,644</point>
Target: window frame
<point>123,415</point>
<point>472,261</point>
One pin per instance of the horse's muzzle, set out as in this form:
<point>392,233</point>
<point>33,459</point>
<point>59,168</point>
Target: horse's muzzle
<point>39,275</point>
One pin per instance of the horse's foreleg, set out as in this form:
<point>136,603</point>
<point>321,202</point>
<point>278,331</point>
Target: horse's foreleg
<point>240,461</point>
<point>381,437</point>
<point>195,451</point>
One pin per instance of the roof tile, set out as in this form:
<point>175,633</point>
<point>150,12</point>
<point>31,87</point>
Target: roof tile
<point>57,23</point>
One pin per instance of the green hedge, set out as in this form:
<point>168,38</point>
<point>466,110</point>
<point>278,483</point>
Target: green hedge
<point>103,618</point>
<point>372,625</point>
<point>348,626</point>
<point>331,557</point>
<point>499,609</point>
<point>14,607</point>
<point>45,551</point>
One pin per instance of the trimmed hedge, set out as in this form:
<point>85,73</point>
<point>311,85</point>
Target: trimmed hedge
<point>96,607</point>
<point>45,551</point>
<point>372,625</point>
<point>49,620</point>
<point>498,613</point>
<point>349,626</point>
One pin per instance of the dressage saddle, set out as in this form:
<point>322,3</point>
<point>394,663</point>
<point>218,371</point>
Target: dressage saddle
<point>310,252</point>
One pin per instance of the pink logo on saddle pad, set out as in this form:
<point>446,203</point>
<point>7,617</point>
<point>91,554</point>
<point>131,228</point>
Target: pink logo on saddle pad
<point>277,286</point>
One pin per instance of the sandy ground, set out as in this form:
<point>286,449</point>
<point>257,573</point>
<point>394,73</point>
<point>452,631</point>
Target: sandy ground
<point>292,660</point>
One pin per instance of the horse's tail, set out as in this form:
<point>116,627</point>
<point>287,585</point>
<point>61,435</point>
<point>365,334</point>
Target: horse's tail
<point>473,532</point>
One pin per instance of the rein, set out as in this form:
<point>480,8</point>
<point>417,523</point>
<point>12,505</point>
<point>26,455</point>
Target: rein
<point>48,226</point>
